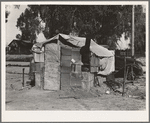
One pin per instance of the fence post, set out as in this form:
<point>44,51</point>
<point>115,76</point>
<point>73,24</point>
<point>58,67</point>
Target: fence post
<point>124,80</point>
<point>23,84</point>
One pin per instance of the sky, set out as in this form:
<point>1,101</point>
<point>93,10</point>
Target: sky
<point>11,29</point>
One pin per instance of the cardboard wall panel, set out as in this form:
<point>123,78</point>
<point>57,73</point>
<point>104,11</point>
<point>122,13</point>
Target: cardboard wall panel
<point>52,53</point>
<point>52,76</point>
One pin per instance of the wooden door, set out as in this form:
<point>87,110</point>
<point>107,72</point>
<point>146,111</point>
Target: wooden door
<point>75,78</point>
<point>65,66</point>
<point>68,78</point>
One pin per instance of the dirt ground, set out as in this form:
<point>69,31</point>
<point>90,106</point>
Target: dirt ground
<point>32,98</point>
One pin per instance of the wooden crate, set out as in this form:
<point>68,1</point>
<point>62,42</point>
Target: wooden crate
<point>76,68</point>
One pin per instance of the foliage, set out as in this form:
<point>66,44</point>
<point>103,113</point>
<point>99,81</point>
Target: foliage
<point>140,38</point>
<point>6,16</point>
<point>105,23</point>
<point>18,36</point>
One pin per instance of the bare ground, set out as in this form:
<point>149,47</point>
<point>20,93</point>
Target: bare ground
<point>73,99</point>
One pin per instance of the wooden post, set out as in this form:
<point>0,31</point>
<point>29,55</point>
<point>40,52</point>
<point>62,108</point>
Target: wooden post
<point>132,72</point>
<point>42,75</point>
<point>133,30</point>
<point>23,84</point>
<point>124,80</point>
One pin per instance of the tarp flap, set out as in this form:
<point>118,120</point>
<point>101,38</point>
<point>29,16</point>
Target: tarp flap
<point>102,65</point>
<point>94,47</point>
<point>40,45</point>
<point>99,50</point>
<point>78,41</point>
<point>108,65</point>
<point>66,42</point>
<point>40,37</point>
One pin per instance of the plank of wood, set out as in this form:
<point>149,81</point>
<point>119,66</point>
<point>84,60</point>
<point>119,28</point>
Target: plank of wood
<point>65,63</point>
<point>38,80</point>
<point>76,49</point>
<point>66,51</point>
<point>65,58</point>
<point>76,55</point>
<point>65,69</point>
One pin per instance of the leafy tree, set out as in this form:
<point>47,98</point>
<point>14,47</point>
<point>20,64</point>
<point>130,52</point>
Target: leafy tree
<point>140,21</point>
<point>28,24</point>
<point>6,16</point>
<point>105,23</point>
<point>18,36</point>
<point>7,12</point>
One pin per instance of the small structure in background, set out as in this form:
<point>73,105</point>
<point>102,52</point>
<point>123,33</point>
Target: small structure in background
<point>19,47</point>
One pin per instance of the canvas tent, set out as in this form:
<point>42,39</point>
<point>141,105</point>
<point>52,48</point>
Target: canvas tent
<point>54,60</point>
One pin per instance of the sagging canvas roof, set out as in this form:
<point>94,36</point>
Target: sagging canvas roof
<point>78,42</point>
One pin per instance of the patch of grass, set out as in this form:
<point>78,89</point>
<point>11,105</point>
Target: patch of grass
<point>22,58</point>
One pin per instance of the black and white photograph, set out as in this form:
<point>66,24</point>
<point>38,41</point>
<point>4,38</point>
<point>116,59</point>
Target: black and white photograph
<point>75,61</point>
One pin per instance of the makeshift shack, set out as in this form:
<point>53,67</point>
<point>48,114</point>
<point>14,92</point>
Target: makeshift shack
<point>58,63</point>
